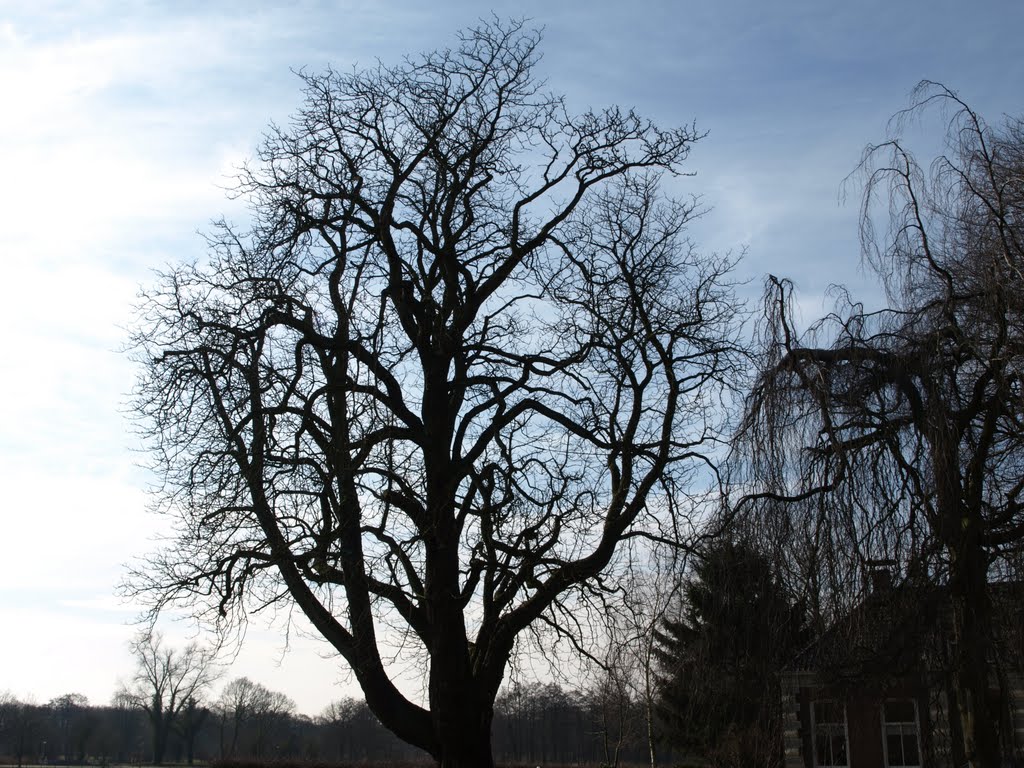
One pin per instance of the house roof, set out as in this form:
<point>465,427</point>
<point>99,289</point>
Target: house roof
<point>904,631</point>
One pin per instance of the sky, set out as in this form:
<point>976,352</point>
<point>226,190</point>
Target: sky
<point>121,124</point>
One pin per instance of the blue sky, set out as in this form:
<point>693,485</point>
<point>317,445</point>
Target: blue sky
<point>122,120</point>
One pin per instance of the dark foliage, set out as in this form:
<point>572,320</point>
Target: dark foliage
<point>720,659</point>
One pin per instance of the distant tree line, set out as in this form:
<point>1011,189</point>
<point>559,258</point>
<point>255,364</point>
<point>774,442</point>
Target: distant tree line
<point>69,731</point>
<point>535,724</point>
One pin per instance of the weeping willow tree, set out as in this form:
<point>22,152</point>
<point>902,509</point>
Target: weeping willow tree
<point>896,434</point>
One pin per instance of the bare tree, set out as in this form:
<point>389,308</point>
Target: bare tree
<point>649,590</point>
<point>167,682</point>
<point>345,720</point>
<point>464,352</point>
<point>71,714</point>
<point>243,704</point>
<point>20,723</point>
<point>235,706</point>
<point>275,710</point>
<point>612,705</point>
<point>900,430</point>
<point>353,734</point>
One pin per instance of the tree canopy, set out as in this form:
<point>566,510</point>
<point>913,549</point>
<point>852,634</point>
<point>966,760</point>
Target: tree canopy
<point>898,431</point>
<point>463,352</point>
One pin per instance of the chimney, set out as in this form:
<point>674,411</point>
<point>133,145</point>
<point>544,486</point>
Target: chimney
<point>880,576</point>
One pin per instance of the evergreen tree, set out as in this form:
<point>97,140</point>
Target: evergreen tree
<point>719,660</point>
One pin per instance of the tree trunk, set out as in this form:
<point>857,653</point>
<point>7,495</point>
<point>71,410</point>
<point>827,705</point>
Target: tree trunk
<point>472,750</point>
<point>159,744</point>
<point>461,712</point>
<point>461,708</point>
<point>652,752</point>
<point>961,532</point>
<point>971,628</point>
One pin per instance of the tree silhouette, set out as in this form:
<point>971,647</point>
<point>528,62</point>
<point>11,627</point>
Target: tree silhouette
<point>167,683</point>
<point>898,431</point>
<point>463,352</point>
<point>720,659</point>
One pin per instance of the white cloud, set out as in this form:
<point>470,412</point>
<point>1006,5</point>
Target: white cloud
<point>67,532</point>
<point>82,654</point>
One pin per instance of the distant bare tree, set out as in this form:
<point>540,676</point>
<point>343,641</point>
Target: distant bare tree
<point>166,682</point>
<point>243,704</point>
<point>612,706</point>
<point>71,713</point>
<point>235,706</point>
<point>274,711</point>
<point>345,718</point>
<point>463,353</point>
<point>650,590</point>
<point>354,734</point>
<point>900,432</point>
<point>20,722</point>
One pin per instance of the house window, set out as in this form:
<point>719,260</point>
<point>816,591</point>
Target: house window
<point>829,727</point>
<point>900,733</point>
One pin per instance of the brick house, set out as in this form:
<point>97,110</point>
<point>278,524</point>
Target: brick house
<point>874,690</point>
